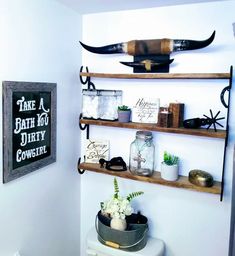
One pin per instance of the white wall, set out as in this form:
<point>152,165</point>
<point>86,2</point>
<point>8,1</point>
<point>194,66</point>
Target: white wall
<point>190,223</point>
<point>39,212</point>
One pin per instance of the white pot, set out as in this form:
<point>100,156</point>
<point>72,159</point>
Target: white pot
<point>119,224</point>
<point>169,172</point>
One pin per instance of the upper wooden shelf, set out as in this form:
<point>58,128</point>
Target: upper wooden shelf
<point>221,134</point>
<point>182,182</point>
<point>159,75</point>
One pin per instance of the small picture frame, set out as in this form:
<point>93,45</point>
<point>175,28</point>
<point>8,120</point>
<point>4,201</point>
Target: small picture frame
<point>146,110</point>
<point>29,127</point>
<point>96,149</point>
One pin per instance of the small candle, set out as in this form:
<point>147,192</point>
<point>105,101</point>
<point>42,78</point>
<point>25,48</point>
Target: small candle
<point>165,118</point>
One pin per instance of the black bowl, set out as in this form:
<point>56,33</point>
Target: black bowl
<point>136,218</point>
<point>103,219</point>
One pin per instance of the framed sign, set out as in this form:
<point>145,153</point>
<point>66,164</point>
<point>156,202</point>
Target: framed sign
<point>95,150</point>
<point>29,127</point>
<point>146,110</point>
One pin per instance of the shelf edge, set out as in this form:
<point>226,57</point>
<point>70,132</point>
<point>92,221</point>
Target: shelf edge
<point>220,134</point>
<point>158,75</point>
<point>182,182</point>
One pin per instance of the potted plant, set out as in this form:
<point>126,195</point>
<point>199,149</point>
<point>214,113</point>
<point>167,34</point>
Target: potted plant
<point>118,207</point>
<point>124,114</point>
<point>170,167</point>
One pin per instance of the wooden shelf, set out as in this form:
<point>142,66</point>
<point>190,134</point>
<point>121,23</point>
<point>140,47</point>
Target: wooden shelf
<point>159,75</point>
<point>182,182</point>
<point>220,134</point>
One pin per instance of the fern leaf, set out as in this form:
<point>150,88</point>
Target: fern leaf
<point>116,188</point>
<point>134,194</point>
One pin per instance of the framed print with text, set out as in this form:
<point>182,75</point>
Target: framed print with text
<point>29,127</point>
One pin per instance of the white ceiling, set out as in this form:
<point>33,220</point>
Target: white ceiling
<point>94,6</point>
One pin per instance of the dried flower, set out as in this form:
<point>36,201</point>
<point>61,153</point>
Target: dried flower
<point>118,206</point>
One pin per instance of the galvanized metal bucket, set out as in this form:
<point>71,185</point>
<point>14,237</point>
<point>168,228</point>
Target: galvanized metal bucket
<point>132,239</point>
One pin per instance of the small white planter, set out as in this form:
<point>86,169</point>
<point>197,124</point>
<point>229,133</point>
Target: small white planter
<point>169,172</point>
<point>119,224</point>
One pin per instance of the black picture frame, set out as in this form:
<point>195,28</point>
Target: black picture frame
<point>29,127</point>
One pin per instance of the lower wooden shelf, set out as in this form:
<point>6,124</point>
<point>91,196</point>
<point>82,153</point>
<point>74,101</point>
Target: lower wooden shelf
<point>182,182</point>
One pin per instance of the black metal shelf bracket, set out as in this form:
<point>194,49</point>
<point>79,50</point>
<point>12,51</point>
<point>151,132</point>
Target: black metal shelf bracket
<point>90,85</point>
<point>85,127</point>
<point>78,164</point>
<point>228,88</point>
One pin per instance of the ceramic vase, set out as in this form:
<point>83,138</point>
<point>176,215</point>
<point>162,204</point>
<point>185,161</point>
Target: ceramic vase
<point>169,172</point>
<point>124,116</point>
<point>118,223</point>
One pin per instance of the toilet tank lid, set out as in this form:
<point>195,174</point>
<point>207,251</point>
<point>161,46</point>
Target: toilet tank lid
<point>154,247</point>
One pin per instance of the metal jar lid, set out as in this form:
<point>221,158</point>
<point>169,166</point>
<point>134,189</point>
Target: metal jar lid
<point>88,92</point>
<point>144,135</point>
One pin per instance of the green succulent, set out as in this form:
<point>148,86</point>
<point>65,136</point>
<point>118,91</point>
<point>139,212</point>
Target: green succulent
<point>170,159</point>
<point>123,108</point>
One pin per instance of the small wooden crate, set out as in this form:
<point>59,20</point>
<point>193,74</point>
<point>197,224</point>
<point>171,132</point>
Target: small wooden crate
<point>177,110</point>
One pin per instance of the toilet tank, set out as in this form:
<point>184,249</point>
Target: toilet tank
<point>154,247</point>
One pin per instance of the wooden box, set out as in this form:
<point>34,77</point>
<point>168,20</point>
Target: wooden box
<point>177,110</point>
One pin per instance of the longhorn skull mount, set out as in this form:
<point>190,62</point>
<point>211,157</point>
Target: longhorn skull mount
<point>150,52</point>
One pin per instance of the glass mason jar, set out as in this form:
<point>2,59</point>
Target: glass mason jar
<point>141,160</point>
